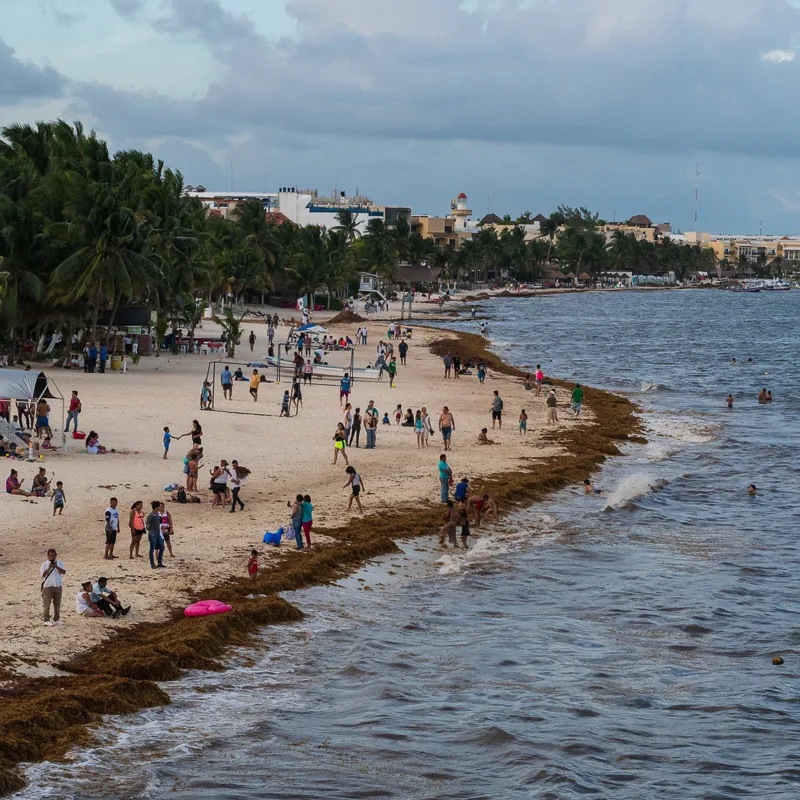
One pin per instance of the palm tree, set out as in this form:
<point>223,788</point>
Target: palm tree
<point>232,326</point>
<point>348,223</point>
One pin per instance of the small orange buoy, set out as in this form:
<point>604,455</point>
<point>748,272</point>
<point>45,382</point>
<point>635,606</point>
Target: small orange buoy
<point>777,661</point>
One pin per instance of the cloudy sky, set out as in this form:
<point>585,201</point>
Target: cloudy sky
<point>522,104</point>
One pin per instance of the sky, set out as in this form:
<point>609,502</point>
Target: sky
<point>522,104</point>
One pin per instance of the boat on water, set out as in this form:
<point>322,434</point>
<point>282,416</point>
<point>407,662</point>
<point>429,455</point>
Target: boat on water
<point>744,289</point>
<point>776,285</point>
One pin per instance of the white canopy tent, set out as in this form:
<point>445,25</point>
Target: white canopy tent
<point>18,386</point>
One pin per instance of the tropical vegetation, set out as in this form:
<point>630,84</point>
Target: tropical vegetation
<point>84,233</point>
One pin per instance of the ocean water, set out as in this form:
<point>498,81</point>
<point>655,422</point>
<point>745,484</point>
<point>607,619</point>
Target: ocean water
<point>617,645</point>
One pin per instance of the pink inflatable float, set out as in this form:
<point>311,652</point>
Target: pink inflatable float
<point>206,607</point>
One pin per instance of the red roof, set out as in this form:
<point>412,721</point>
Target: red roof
<point>462,196</point>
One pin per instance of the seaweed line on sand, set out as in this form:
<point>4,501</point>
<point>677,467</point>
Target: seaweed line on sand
<point>42,718</point>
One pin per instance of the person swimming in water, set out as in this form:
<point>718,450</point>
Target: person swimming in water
<point>752,490</point>
<point>590,488</point>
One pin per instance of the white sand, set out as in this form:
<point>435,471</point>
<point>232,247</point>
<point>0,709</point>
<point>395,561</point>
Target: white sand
<point>286,456</point>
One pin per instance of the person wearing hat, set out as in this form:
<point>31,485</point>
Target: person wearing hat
<point>552,410</point>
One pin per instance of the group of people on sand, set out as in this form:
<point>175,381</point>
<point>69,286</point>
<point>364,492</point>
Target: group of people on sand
<point>157,524</point>
<point>94,599</point>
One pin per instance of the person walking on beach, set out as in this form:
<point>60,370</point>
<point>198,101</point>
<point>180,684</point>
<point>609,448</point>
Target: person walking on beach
<point>166,527</point>
<point>235,483</point>
<point>447,424</point>
<point>51,572</point>
<point>73,412</point>
<point>552,410</point>
<point>255,382</point>
<point>308,518</point>
<point>252,340</point>
<point>153,524</point>
<point>270,333</point>
<point>286,402</point>
<point>481,373</point>
<point>136,523</point>
<point>419,429</point>
<point>523,423</point>
<point>445,477</point>
<point>427,426</point>
<point>297,520</point>
<point>539,379</point>
<point>59,498</point>
<point>356,484</point>
<point>297,396</point>
<point>371,424</point>
<point>392,370</point>
<point>344,389</point>
<point>111,528</point>
<point>226,379</point>
<point>448,362</point>
<point>497,410</point>
<point>308,371</point>
<point>577,400</point>
<point>339,444</point>
<point>355,429</point>
<point>402,348</point>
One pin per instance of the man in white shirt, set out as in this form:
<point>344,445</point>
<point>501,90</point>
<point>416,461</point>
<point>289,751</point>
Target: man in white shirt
<point>112,528</point>
<point>51,572</point>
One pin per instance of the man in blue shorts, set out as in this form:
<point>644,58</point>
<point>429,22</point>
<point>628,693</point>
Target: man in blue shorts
<point>447,425</point>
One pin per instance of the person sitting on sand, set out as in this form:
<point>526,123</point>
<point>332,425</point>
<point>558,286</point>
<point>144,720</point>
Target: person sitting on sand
<point>93,445</point>
<point>14,485</point>
<point>40,486</point>
<point>84,606</point>
<point>106,600</point>
<point>408,419</point>
<point>483,438</point>
<point>528,383</point>
<point>238,375</point>
<point>481,507</point>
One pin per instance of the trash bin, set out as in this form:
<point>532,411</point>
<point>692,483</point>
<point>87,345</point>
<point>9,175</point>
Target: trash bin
<point>116,362</point>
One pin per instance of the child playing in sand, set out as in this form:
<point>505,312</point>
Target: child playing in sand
<point>59,498</point>
<point>205,396</point>
<point>285,403</point>
<point>385,419</point>
<point>252,566</point>
<point>523,423</point>
<point>398,414</point>
<point>194,469</point>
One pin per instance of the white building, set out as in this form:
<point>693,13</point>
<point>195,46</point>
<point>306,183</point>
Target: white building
<point>304,206</point>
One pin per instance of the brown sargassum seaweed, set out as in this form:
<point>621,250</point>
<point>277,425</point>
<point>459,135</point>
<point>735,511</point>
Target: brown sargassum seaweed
<point>41,719</point>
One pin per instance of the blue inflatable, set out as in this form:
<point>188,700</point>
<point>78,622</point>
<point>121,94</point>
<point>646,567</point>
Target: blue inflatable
<point>274,538</point>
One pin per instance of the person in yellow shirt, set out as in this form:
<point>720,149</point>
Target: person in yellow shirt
<point>255,382</point>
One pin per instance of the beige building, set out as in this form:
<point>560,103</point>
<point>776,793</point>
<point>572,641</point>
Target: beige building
<point>441,229</point>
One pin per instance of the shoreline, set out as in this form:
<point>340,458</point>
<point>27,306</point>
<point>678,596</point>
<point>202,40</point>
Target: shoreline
<point>42,718</point>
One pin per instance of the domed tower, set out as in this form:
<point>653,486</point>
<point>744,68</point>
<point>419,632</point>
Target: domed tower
<point>459,210</point>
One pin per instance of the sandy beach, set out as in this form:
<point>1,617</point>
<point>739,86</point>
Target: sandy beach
<point>286,456</point>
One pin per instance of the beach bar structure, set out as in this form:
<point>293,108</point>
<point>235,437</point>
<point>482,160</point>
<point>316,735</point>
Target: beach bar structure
<point>20,386</point>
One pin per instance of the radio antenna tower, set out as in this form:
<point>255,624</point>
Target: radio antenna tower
<point>696,193</point>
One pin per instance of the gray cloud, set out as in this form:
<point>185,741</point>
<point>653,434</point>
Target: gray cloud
<point>20,81</point>
<point>128,9</point>
<point>558,95</point>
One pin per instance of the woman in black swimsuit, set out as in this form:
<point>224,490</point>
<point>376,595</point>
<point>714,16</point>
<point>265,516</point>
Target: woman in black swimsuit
<point>197,432</point>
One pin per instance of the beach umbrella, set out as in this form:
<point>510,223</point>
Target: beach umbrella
<point>584,276</point>
<point>312,329</point>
